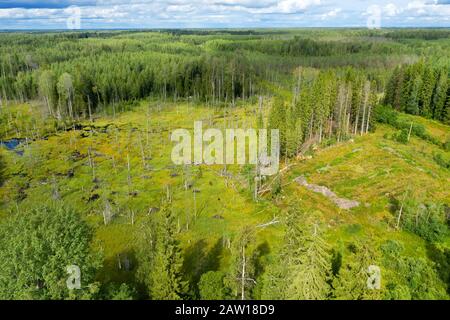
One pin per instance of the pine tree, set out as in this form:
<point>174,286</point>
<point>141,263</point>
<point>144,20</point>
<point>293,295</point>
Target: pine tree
<point>294,132</point>
<point>440,95</point>
<point>277,120</point>
<point>426,92</point>
<point>275,280</point>
<point>389,91</point>
<point>303,266</point>
<point>162,260</point>
<point>351,281</point>
<point>311,272</point>
<point>446,112</point>
<point>412,100</point>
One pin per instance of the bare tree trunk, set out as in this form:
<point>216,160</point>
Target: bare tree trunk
<point>89,108</point>
<point>244,262</point>
<point>366,99</point>
<point>368,118</point>
<point>410,130</point>
<point>399,217</point>
<point>91,163</point>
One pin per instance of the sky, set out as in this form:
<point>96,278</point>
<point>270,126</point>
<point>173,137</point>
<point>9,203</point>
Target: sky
<point>121,14</point>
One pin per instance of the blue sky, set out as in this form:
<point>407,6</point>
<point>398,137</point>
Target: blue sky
<point>88,14</point>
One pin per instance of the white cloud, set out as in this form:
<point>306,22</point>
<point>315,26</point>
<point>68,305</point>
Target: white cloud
<point>330,14</point>
<point>228,13</point>
<point>391,10</point>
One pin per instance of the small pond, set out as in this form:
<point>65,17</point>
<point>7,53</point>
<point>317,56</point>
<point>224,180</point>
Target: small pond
<point>12,145</point>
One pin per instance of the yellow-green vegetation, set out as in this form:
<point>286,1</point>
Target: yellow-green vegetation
<point>88,168</point>
<point>116,170</point>
<point>85,134</point>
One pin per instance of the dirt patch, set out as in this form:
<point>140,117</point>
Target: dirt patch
<point>340,202</point>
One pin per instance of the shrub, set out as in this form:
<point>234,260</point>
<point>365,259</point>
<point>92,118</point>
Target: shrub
<point>211,286</point>
<point>385,114</point>
<point>426,220</point>
<point>439,159</point>
<point>446,145</point>
<point>402,136</point>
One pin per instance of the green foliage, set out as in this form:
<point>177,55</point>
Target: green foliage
<point>311,272</point>
<point>36,247</point>
<point>402,136</point>
<point>276,186</point>
<point>119,292</point>
<point>277,120</point>
<point>318,87</point>
<point>420,88</point>
<point>240,278</point>
<point>415,278</point>
<point>211,286</point>
<point>350,282</point>
<point>439,159</point>
<point>303,267</point>
<point>447,145</point>
<point>161,260</point>
<point>2,169</point>
<point>275,280</point>
<point>426,220</point>
<point>385,114</point>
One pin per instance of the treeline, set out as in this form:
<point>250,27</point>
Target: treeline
<point>420,89</point>
<point>82,86</point>
<point>327,105</point>
<point>427,34</point>
<point>309,47</point>
<point>77,74</point>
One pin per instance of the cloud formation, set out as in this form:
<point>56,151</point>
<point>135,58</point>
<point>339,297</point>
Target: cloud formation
<point>54,14</point>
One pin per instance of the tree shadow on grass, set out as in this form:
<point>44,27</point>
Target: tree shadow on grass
<point>199,260</point>
<point>2,170</point>
<point>121,268</point>
<point>441,258</point>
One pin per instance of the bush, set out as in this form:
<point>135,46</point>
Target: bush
<point>119,292</point>
<point>414,278</point>
<point>211,286</point>
<point>446,145</point>
<point>439,159</point>
<point>426,220</point>
<point>402,136</point>
<point>385,114</point>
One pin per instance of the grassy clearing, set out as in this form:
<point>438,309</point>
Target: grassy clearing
<point>88,167</point>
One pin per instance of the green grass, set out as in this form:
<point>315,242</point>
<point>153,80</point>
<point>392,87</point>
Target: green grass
<point>372,169</point>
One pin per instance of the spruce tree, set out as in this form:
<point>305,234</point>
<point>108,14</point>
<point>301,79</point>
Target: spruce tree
<point>351,280</point>
<point>426,91</point>
<point>440,95</point>
<point>162,260</point>
<point>309,275</point>
<point>277,120</point>
<point>446,112</point>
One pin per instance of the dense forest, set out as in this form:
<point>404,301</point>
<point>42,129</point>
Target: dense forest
<point>82,105</point>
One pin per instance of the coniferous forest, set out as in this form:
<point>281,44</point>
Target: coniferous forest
<point>93,207</point>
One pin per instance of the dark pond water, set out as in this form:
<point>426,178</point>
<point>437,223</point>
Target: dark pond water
<point>12,145</point>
